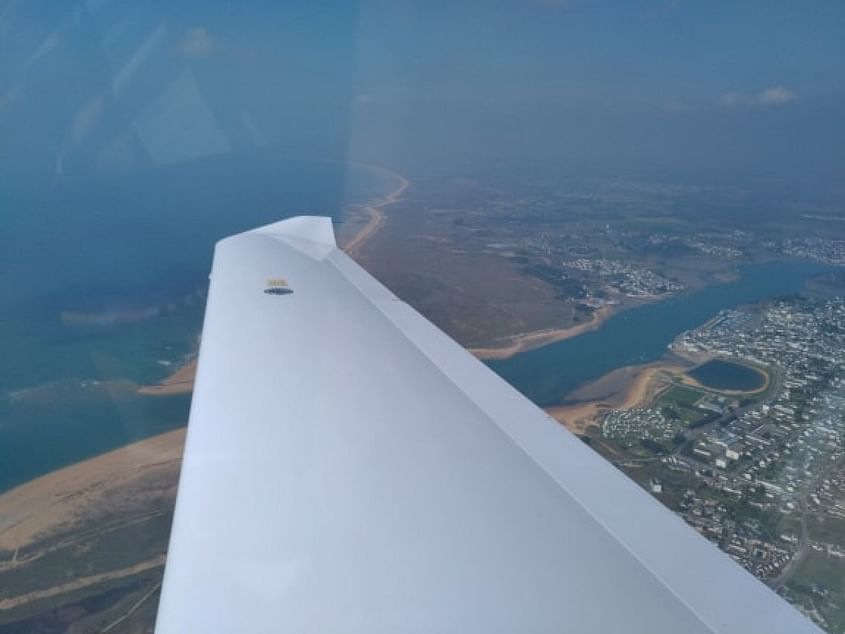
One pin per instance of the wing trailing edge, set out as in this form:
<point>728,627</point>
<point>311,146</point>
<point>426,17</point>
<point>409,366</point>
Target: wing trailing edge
<point>350,468</point>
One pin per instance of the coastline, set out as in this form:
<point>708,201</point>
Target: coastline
<point>37,508</point>
<point>61,517</point>
<point>43,515</point>
<point>375,211</point>
<point>624,388</point>
<point>539,338</point>
<point>180,382</point>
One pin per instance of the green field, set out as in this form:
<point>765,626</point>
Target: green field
<point>679,402</point>
<point>825,528</point>
<point>824,571</point>
<point>681,395</point>
<point>818,570</point>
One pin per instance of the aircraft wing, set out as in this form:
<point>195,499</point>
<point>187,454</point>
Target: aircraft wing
<point>350,468</point>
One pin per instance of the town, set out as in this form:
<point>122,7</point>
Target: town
<point>626,279</point>
<point>761,474</point>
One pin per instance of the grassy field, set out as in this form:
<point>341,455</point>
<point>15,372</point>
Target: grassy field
<point>827,529</point>
<point>819,570</point>
<point>682,396</point>
<point>679,401</point>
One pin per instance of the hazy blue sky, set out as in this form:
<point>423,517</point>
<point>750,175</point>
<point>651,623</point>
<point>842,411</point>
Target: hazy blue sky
<point>748,86</point>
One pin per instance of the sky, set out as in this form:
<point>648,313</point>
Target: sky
<point>743,87</point>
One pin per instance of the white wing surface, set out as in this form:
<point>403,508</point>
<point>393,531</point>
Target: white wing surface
<point>350,468</point>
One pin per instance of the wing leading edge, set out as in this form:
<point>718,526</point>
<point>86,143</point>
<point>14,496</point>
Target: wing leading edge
<point>349,468</point>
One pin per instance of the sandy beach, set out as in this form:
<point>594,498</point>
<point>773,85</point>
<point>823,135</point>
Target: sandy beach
<point>625,388</point>
<point>55,501</point>
<point>180,382</point>
<point>537,339</point>
<point>375,212</point>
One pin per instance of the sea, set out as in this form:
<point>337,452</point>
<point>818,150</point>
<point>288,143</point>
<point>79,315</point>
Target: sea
<point>103,288</point>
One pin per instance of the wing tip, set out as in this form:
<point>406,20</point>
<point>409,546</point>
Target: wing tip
<point>316,229</point>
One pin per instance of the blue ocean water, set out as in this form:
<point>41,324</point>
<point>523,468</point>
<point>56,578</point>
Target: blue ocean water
<point>103,286</point>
